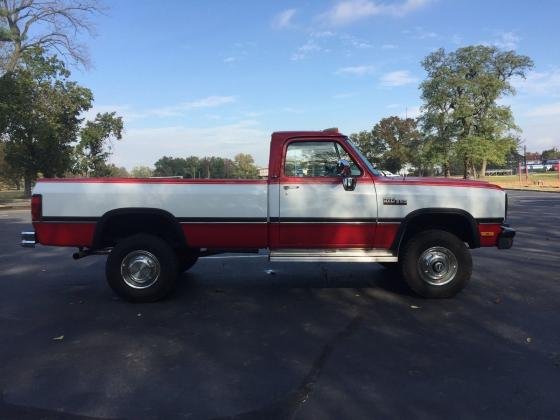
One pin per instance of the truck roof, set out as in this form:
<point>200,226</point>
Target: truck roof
<point>282,135</point>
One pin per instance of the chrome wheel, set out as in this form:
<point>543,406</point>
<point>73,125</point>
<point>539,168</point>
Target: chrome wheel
<point>140,269</point>
<point>437,266</point>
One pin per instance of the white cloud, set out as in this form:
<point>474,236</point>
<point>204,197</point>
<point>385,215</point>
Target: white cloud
<point>549,110</point>
<point>309,47</point>
<point>356,70</point>
<point>283,19</point>
<point>507,40</point>
<point>145,146</point>
<point>539,83</point>
<point>349,11</point>
<point>182,108</point>
<point>419,32</point>
<point>397,78</point>
<point>230,60</point>
<point>389,46</point>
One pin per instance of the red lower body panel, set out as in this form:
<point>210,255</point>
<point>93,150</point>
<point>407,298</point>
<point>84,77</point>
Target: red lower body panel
<point>226,235</point>
<point>64,233</point>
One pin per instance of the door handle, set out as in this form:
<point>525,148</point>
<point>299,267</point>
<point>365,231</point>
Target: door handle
<point>291,187</point>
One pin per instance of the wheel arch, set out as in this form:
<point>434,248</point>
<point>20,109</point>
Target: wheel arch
<point>134,220</point>
<point>438,218</point>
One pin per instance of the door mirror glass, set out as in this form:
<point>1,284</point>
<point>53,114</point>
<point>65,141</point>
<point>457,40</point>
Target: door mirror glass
<point>349,183</point>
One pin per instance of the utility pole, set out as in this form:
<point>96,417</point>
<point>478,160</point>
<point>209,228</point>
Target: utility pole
<point>526,167</point>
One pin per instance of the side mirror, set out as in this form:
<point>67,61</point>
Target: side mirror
<point>349,183</point>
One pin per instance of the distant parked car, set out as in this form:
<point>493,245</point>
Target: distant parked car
<point>389,173</point>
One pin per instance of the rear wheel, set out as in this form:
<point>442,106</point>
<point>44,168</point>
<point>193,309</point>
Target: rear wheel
<point>142,268</point>
<point>436,264</point>
<point>186,259</point>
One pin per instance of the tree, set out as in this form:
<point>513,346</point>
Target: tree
<point>170,166</point>
<point>94,147</point>
<point>553,153</point>
<point>50,25</point>
<point>245,166</point>
<point>9,174</point>
<point>141,172</point>
<point>390,144</point>
<point>40,116</point>
<point>370,145</point>
<point>114,171</point>
<point>460,112</point>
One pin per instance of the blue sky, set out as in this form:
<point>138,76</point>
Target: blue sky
<point>217,77</point>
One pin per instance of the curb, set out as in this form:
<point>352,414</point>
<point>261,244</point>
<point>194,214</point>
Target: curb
<point>528,190</point>
<point>10,207</point>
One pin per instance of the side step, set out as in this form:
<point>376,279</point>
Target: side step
<point>333,255</point>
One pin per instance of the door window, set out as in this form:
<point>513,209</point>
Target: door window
<point>316,159</point>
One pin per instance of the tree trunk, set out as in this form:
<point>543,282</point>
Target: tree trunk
<point>446,170</point>
<point>483,168</point>
<point>466,168</point>
<point>473,170</point>
<point>27,181</point>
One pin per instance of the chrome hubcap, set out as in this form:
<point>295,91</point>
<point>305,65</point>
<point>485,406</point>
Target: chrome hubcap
<point>140,269</point>
<point>437,266</point>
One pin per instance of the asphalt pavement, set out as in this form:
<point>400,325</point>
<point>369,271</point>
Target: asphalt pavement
<point>303,341</point>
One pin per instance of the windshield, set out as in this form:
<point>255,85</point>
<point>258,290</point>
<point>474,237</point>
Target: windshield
<point>363,158</point>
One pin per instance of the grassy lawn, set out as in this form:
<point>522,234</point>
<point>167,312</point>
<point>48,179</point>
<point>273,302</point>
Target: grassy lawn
<point>6,196</point>
<point>548,181</point>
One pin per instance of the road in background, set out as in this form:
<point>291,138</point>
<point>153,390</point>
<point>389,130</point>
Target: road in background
<point>306,341</point>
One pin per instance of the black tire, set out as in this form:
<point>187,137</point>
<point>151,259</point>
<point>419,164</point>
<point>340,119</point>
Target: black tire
<point>389,265</point>
<point>428,252</point>
<point>154,251</point>
<point>186,260</point>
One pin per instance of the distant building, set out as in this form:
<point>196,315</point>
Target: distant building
<point>263,173</point>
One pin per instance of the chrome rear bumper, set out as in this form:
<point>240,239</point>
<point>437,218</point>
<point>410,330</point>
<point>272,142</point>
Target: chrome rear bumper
<point>28,239</point>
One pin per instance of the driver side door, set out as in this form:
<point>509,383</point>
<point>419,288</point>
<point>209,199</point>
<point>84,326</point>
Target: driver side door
<point>315,209</point>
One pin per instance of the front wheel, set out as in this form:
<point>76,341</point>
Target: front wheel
<point>436,264</point>
<point>142,268</point>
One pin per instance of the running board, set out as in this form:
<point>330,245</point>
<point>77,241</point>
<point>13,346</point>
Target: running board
<point>333,255</point>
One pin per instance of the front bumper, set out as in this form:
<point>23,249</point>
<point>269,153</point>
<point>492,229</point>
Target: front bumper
<point>28,239</point>
<point>505,238</point>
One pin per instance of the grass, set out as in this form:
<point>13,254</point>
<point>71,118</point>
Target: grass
<point>547,181</point>
<point>6,196</point>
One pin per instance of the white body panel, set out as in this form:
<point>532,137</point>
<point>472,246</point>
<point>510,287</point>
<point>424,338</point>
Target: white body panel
<point>324,200</point>
<point>479,202</point>
<point>76,199</point>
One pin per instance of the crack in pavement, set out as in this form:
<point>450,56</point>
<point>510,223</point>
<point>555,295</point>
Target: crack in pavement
<point>287,407</point>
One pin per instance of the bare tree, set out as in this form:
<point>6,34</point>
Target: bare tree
<point>52,25</point>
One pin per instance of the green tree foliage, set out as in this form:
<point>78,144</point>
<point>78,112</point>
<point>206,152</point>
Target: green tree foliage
<point>9,174</point>
<point>245,166</point>
<point>94,147</point>
<point>553,153</point>
<point>242,167</point>
<point>141,172</point>
<point>461,115</point>
<point>40,116</point>
<point>392,143</point>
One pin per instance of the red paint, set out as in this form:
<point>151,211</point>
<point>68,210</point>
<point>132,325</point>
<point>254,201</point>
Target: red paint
<point>36,207</point>
<point>324,235</point>
<point>385,235</point>
<point>154,181</point>
<point>489,233</point>
<point>226,235</point>
<point>64,234</point>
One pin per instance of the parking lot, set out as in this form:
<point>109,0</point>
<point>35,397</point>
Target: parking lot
<point>319,341</point>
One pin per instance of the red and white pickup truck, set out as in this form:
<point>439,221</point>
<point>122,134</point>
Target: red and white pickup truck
<point>322,201</point>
